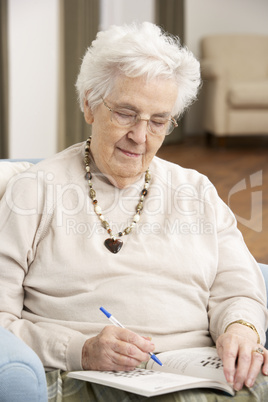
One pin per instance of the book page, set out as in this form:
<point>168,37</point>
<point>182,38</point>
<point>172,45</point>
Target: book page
<point>144,382</point>
<point>197,362</point>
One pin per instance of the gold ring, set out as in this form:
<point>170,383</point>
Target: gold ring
<point>259,350</point>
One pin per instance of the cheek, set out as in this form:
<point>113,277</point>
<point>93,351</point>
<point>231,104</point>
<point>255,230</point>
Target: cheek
<point>109,135</point>
<point>100,136</point>
<point>105,145</point>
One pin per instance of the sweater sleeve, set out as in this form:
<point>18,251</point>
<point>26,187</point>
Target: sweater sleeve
<point>238,291</point>
<point>25,214</point>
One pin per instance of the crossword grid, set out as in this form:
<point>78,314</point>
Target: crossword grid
<point>131,374</point>
<point>210,361</point>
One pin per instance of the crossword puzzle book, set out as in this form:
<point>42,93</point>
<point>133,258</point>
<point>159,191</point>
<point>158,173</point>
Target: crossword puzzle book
<point>182,369</point>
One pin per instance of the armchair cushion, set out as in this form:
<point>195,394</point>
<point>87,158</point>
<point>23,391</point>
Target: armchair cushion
<point>249,94</point>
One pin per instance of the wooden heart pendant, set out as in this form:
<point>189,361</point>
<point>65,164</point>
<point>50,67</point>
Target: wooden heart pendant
<point>113,245</point>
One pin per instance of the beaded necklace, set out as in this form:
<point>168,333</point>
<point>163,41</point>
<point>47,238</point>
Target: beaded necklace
<point>113,243</point>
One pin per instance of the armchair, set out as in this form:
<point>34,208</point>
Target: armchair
<point>22,376</point>
<point>235,75</point>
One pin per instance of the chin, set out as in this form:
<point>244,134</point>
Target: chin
<point>129,169</point>
<point>123,177</point>
<point>130,175</point>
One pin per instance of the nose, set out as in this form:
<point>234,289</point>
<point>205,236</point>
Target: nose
<point>138,133</point>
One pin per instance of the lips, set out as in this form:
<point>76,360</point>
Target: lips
<point>130,153</point>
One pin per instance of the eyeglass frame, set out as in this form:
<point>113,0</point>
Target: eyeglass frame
<point>138,119</point>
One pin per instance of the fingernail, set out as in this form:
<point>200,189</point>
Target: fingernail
<point>237,386</point>
<point>249,383</point>
<point>231,379</point>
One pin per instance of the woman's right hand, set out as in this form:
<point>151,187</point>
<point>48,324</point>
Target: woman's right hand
<point>115,349</point>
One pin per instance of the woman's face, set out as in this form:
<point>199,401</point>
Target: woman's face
<point>124,153</point>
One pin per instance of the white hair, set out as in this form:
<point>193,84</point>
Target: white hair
<point>137,50</point>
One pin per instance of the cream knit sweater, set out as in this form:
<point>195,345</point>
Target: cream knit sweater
<point>182,275</point>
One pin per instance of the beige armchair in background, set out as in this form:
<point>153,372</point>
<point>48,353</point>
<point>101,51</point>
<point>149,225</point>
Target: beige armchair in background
<point>235,84</point>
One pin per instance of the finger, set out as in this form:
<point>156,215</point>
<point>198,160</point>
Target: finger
<point>229,366</point>
<point>265,363</point>
<point>145,344</point>
<point>148,338</point>
<point>243,366</point>
<point>257,359</point>
<point>128,351</point>
<point>117,361</point>
<point>228,354</point>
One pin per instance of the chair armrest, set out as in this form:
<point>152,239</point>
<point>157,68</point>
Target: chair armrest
<point>22,376</point>
<point>264,269</point>
<point>215,84</point>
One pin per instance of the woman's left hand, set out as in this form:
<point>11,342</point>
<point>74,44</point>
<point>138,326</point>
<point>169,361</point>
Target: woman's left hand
<point>242,357</point>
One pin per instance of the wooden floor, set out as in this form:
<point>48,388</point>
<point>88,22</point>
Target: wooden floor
<point>240,173</point>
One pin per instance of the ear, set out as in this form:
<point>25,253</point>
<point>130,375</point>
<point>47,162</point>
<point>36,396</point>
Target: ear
<point>88,112</point>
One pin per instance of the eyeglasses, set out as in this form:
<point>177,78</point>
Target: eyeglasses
<point>156,125</point>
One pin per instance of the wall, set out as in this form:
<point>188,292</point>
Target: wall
<point>33,83</point>
<point>219,16</point>
<point>117,12</point>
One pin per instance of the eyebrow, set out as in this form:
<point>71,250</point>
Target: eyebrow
<point>126,106</point>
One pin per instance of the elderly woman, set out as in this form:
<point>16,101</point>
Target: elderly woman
<point>106,222</point>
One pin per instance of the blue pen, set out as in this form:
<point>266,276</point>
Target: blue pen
<point>117,323</point>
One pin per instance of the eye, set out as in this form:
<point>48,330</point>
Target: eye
<point>125,114</point>
<point>122,115</point>
<point>158,122</point>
